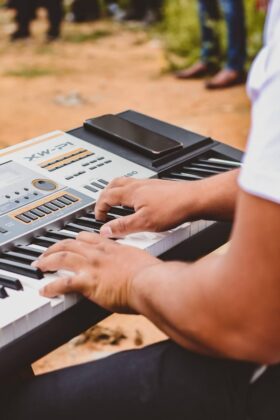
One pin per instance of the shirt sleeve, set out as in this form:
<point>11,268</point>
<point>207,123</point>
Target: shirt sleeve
<point>260,174</point>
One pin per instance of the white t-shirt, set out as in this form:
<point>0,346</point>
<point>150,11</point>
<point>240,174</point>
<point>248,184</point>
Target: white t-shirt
<point>260,174</point>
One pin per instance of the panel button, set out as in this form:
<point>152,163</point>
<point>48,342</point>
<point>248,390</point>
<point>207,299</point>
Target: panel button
<point>51,206</point>
<point>92,168</point>
<point>71,198</point>
<point>23,218</point>
<point>100,164</point>
<point>95,184</point>
<point>64,201</point>
<point>3,230</point>
<point>100,158</point>
<point>58,204</point>
<point>37,212</point>
<point>69,177</point>
<point>44,209</point>
<point>44,184</point>
<point>102,181</point>
<point>88,187</point>
<point>30,215</point>
<point>108,161</point>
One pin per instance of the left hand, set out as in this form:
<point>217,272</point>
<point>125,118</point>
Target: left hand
<point>103,270</point>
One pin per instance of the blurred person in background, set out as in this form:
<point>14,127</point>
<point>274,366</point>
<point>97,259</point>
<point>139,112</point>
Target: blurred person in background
<point>148,11</point>
<point>233,71</point>
<point>26,12</point>
<point>85,10</point>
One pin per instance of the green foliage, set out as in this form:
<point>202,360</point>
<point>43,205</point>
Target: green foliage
<point>181,33</point>
<point>31,72</point>
<point>79,37</point>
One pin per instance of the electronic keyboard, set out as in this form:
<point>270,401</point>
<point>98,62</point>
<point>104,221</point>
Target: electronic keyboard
<point>48,189</point>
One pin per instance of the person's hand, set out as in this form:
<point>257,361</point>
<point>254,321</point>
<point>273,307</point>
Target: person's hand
<point>159,205</point>
<point>103,271</point>
<point>262,4</point>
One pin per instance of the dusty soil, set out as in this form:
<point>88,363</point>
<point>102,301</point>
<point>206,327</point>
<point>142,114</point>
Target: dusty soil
<point>48,87</point>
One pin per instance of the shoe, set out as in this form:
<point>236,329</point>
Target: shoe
<point>197,71</point>
<point>226,78</point>
<point>19,34</point>
<point>52,35</point>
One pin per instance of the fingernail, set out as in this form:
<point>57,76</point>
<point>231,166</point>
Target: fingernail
<point>35,263</point>
<point>106,231</point>
<point>42,292</point>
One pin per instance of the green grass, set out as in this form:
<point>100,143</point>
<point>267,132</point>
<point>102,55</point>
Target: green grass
<point>80,37</point>
<point>31,72</point>
<point>181,35</point>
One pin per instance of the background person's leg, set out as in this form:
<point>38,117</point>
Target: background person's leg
<point>162,381</point>
<point>55,12</point>
<point>236,28</point>
<point>208,14</point>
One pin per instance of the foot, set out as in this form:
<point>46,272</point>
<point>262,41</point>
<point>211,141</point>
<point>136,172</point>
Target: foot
<point>20,34</point>
<point>196,71</point>
<point>226,78</point>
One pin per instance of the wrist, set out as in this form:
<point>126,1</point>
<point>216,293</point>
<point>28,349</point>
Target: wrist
<point>140,286</point>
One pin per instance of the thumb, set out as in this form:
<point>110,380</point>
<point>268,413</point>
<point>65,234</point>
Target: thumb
<point>122,226</point>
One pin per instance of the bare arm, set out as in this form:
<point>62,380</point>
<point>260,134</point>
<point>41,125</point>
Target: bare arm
<point>223,305</point>
<point>160,205</point>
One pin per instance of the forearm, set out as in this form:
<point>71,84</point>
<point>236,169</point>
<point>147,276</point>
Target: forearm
<point>222,305</point>
<point>215,198</point>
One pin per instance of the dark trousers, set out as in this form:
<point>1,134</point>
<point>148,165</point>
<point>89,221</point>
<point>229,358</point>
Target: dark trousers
<point>26,10</point>
<point>162,381</point>
<point>233,11</point>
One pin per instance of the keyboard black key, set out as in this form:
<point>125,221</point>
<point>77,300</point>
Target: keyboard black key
<point>16,256</point>
<point>210,166</point>
<point>3,293</point>
<point>121,211</point>
<point>59,235</point>
<point>10,282</point>
<point>27,250</point>
<point>88,222</point>
<point>203,171</point>
<point>19,268</point>
<point>71,198</point>
<point>44,209</point>
<point>74,227</point>
<point>44,241</point>
<point>184,176</point>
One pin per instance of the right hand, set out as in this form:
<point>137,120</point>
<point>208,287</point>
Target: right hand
<point>159,205</point>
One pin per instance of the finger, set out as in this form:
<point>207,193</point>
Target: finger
<point>68,245</point>
<point>63,285</point>
<point>93,239</point>
<point>61,261</point>
<point>120,182</point>
<point>124,225</point>
<point>109,198</point>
